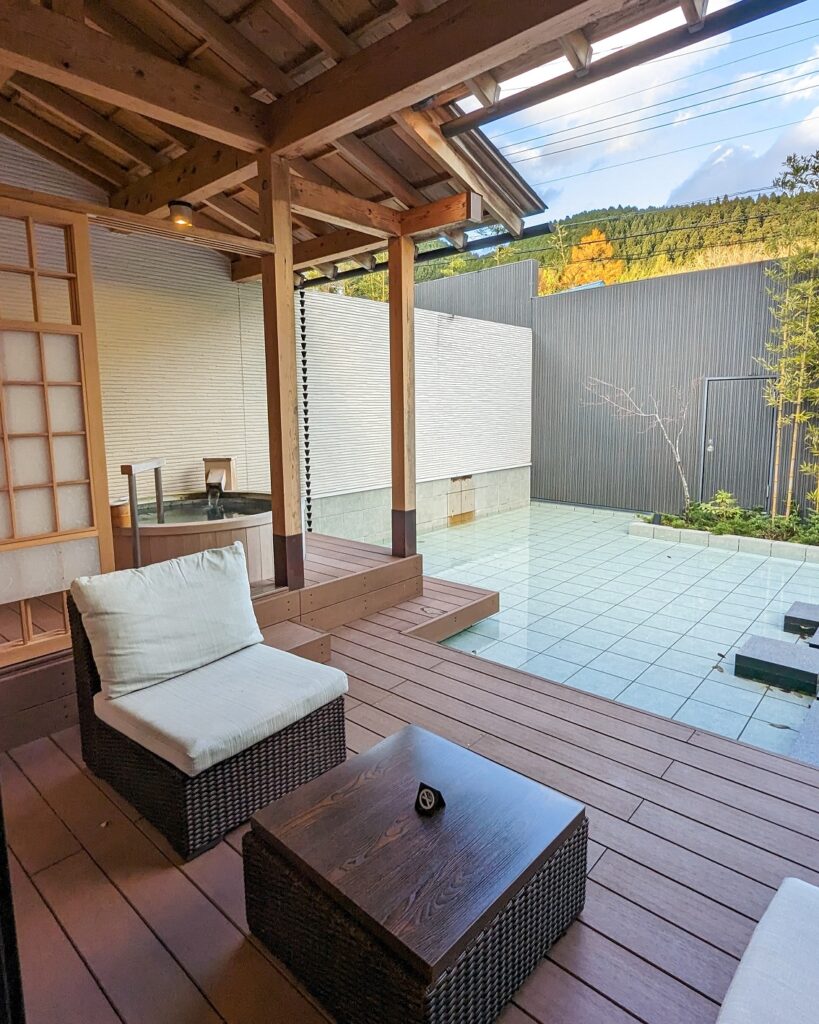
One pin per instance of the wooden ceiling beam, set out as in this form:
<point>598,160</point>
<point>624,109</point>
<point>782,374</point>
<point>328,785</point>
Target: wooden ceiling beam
<point>451,43</point>
<point>577,50</point>
<point>235,212</point>
<point>87,120</point>
<point>342,209</point>
<point>69,8</point>
<point>131,222</point>
<point>55,138</point>
<point>428,134</point>
<point>334,247</point>
<point>68,54</point>
<point>312,21</point>
<point>375,167</point>
<point>463,208</point>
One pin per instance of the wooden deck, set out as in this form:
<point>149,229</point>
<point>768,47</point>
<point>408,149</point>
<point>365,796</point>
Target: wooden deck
<point>691,834</point>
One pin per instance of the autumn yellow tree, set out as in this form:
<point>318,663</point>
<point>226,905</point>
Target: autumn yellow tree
<point>592,259</point>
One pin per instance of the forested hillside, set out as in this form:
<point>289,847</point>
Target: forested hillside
<point>628,244</point>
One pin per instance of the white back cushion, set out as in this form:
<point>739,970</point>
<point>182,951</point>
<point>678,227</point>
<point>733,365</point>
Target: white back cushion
<point>147,625</point>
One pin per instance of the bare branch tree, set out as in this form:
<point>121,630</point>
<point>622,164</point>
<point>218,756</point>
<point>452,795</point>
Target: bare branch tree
<point>671,423</point>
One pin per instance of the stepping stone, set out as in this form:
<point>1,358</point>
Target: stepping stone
<point>780,663</point>
<point>802,617</point>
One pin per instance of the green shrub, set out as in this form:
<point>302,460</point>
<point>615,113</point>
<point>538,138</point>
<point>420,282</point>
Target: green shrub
<point>723,515</point>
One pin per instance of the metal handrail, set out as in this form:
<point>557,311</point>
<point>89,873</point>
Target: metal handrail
<point>132,470</point>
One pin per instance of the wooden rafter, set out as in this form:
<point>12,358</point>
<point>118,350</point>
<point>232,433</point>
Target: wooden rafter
<point>485,88</point>
<point>311,20</point>
<point>67,53</point>
<point>694,12</point>
<point>81,153</point>
<point>342,209</point>
<point>86,119</point>
<point>428,134</point>
<point>372,83</point>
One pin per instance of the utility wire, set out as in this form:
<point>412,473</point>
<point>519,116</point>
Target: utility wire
<point>670,81</point>
<point>672,152</point>
<point>665,124</point>
<point>507,150</point>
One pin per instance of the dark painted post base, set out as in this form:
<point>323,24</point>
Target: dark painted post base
<point>403,533</point>
<point>288,561</point>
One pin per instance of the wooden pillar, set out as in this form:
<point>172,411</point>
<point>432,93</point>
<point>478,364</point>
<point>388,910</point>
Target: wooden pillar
<point>402,393</point>
<point>280,360</point>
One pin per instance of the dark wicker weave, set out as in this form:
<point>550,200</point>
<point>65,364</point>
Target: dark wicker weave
<point>361,981</point>
<point>193,813</point>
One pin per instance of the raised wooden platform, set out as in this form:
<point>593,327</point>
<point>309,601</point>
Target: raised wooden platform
<point>691,834</point>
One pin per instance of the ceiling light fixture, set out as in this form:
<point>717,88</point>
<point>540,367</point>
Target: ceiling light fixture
<point>181,213</point>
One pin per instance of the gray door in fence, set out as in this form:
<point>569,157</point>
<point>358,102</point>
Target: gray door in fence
<point>737,438</point>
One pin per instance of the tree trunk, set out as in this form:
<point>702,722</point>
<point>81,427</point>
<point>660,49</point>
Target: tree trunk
<point>777,457</point>
<point>797,409</point>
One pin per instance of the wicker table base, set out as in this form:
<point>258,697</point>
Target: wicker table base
<point>361,981</point>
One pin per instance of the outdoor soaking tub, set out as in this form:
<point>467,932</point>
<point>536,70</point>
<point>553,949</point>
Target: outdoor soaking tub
<point>194,522</point>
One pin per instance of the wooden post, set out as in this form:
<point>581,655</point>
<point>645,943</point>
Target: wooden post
<point>280,359</point>
<point>402,393</point>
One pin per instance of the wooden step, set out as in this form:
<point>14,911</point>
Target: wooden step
<point>802,617</point>
<point>780,663</point>
<point>298,639</point>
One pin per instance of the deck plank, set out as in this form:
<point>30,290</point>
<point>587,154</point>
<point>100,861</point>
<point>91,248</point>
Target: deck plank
<point>690,836</point>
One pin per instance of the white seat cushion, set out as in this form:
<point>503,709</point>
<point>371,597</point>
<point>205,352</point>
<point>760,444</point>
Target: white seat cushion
<point>776,981</point>
<point>205,716</point>
<point>147,625</point>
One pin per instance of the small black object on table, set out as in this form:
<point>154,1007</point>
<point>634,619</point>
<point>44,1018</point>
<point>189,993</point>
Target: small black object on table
<point>394,916</point>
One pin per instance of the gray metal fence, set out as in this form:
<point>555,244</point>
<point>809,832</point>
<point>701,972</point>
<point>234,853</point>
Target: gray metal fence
<point>704,331</point>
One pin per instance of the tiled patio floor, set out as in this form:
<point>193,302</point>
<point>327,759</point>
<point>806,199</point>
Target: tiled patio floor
<point>648,623</point>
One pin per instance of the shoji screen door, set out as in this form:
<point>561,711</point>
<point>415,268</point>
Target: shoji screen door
<point>54,522</point>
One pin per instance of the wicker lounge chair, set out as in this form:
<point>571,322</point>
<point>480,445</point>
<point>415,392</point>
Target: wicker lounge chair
<point>221,778</point>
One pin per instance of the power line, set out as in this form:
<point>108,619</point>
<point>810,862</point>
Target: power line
<point>672,152</point>
<point>507,150</point>
<point>670,81</point>
<point>666,124</point>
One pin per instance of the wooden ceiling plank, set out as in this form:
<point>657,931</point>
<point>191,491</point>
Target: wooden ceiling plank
<point>68,54</point>
<point>55,138</point>
<point>226,40</point>
<point>310,18</point>
<point>428,134</point>
<point>69,8</point>
<point>244,219</point>
<point>87,120</point>
<point>455,41</point>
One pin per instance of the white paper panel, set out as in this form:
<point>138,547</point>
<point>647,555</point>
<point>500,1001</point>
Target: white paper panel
<point>62,357</point>
<point>34,512</point>
<point>75,506</point>
<point>5,518</point>
<point>19,356</point>
<point>55,300</point>
<point>30,463</point>
<point>25,409</point>
<point>51,250</point>
<point>13,243</point>
<point>70,458</point>
<point>15,296</point>
<point>47,568</point>
<point>65,409</point>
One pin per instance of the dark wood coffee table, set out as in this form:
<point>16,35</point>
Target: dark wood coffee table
<point>389,917</point>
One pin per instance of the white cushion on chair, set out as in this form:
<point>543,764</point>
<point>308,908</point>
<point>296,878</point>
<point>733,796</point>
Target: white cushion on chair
<point>203,717</point>
<point>147,625</point>
<point>776,981</point>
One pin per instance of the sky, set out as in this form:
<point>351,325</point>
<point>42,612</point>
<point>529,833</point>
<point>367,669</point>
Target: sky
<point>725,112</point>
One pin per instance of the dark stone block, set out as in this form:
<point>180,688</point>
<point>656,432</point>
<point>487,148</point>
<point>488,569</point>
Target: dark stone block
<point>780,663</point>
<point>802,617</point>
